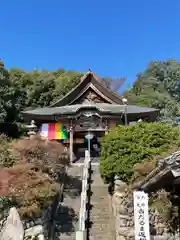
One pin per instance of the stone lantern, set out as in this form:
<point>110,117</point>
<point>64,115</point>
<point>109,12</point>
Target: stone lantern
<point>32,129</point>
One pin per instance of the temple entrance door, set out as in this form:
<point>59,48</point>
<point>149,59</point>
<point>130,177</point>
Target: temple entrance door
<point>95,146</point>
<point>81,144</point>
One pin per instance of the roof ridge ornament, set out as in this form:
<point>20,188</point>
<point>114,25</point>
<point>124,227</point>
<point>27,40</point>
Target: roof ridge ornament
<point>85,75</point>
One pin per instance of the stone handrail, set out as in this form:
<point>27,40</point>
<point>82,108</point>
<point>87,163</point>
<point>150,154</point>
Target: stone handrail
<point>81,233</point>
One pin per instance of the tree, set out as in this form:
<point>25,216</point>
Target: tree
<point>6,104</point>
<point>158,86</point>
<point>31,173</point>
<point>41,88</point>
<point>40,92</point>
<point>65,82</point>
<point>12,97</point>
<point>20,90</point>
<point>113,84</point>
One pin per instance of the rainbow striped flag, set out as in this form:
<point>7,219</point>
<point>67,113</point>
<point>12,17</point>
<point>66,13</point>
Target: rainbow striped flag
<point>54,131</point>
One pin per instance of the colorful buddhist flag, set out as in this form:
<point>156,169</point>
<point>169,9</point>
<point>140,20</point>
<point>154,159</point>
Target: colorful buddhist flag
<point>54,131</point>
<point>44,130</point>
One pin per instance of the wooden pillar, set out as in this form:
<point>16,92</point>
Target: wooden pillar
<point>71,145</point>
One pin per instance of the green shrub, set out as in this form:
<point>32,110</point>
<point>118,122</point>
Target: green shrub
<point>126,146</point>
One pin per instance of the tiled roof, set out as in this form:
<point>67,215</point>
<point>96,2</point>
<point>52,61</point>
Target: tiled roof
<point>101,107</point>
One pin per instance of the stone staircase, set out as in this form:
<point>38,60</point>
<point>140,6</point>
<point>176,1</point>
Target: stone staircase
<point>101,217</point>
<point>69,212</point>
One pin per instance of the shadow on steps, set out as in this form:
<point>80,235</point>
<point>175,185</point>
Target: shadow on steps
<point>65,219</point>
<point>73,186</point>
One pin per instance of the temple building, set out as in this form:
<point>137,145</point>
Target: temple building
<point>90,110</point>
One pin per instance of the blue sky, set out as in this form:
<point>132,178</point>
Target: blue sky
<point>114,38</point>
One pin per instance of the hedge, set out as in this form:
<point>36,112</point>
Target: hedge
<point>126,146</point>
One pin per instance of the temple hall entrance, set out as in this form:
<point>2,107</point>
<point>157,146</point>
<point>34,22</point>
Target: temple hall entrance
<point>81,144</point>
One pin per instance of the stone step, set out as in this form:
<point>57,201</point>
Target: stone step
<point>101,213</point>
<point>71,204</point>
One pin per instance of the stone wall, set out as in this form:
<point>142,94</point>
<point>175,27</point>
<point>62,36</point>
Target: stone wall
<point>123,210</point>
<point>123,213</point>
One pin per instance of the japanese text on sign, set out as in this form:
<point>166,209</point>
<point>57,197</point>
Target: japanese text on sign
<point>141,216</point>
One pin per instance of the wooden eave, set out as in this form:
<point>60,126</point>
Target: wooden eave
<point>89,81</point>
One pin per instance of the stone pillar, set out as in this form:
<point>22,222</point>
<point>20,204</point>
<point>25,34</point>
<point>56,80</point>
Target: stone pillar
<point>71,145</point>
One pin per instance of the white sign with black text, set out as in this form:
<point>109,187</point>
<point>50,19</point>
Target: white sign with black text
<point>141,216</point>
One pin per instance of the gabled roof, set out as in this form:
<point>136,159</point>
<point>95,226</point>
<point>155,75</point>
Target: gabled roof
<point>89,81</point>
